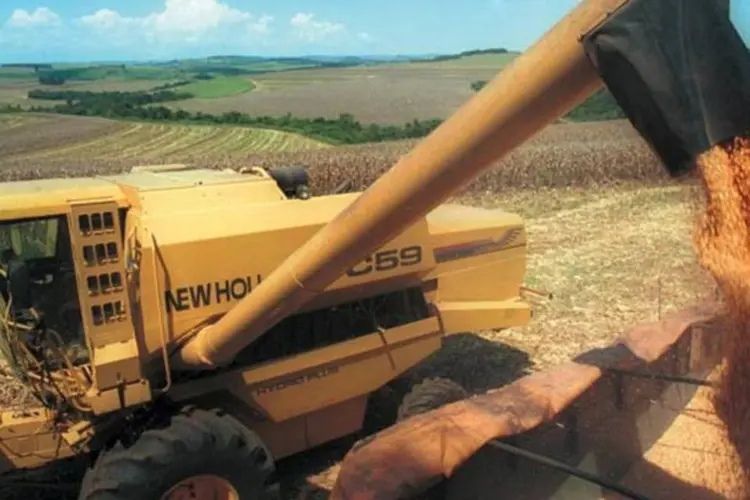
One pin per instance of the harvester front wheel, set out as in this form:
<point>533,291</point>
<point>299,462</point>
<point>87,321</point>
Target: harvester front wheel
<point>430,394</point>
<point>200,454</point>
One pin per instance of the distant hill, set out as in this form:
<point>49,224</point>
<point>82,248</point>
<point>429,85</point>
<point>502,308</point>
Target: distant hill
<point>230,64</point>
<point>467,53</point>
<point>181,69</point>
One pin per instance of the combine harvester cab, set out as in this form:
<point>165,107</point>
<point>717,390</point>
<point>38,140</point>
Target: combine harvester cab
<point>681,71</point>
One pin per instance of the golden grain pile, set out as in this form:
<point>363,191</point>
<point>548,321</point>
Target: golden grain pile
<point>722,242</point>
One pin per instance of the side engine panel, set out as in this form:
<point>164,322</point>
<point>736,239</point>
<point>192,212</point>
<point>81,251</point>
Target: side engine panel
<point>195,266</point>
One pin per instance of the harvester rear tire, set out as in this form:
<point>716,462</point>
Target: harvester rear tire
<point>194,443</point>
<point>430,394</point>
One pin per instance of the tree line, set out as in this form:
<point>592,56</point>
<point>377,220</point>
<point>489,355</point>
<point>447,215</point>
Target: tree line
<point>59,76</point>
<point>35,66</point>
<point>461,55</point>
<point>143,105</point>
<point>110,99</point>
<point>172,85</point>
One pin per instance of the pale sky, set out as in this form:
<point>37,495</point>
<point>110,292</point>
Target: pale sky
<point>80,30</point>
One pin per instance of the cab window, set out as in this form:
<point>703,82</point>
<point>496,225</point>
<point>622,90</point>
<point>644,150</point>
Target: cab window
<point>29,240</point>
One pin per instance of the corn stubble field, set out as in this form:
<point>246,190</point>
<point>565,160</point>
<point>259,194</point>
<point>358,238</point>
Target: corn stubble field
<point>43,145</point>
<point>610,235</point>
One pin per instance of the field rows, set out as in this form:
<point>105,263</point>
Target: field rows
<point>560,156</point>
<point>8,122</point>
<point>161,141</point>
<point>23,135</point>
<point>35,146</point>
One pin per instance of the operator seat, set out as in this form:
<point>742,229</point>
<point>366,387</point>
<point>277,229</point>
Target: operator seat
<point>19,284</point>
<point>16,285</point>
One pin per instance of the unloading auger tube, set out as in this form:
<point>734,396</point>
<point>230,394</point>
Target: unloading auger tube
<point>542,84</point>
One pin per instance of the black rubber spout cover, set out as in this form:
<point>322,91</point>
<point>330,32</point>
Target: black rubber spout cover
<point>679,70</point>
<point>290,178</point>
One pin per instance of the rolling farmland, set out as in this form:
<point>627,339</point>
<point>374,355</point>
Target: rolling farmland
<point>383,94</point>
<point>380,94</point>
<point>399,89</point>
<point>219,87</point>
<point>563,155</point>
<point>22,135</point>
<point>34,146</point>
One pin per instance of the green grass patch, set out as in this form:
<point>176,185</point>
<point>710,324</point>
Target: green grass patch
<point>17,74</point>
<point>600,106</point>
<point>219,87</point>
<point>112,72</point>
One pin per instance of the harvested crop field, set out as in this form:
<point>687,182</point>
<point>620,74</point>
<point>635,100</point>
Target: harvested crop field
<point>387,94</point>
<point>24,135</point>
<point>563,155</point>
<point>609,238</point>
<point>370,98</point>
<point>41,145</point>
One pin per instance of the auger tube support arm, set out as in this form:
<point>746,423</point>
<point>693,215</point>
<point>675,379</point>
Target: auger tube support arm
<point>542,84</point>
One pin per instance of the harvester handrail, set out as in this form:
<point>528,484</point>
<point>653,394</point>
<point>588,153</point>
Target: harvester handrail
<point>162,329</point>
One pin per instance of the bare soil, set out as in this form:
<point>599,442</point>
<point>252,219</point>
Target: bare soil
<point>591,248</point>
<point>390,94</point>
<point>30,133</point>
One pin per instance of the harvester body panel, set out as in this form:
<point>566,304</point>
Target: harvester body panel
<point>49,197</point>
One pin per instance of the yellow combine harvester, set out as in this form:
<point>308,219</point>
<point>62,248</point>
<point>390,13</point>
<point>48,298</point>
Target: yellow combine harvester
<point>186,327</point>
<point>106,278</point>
